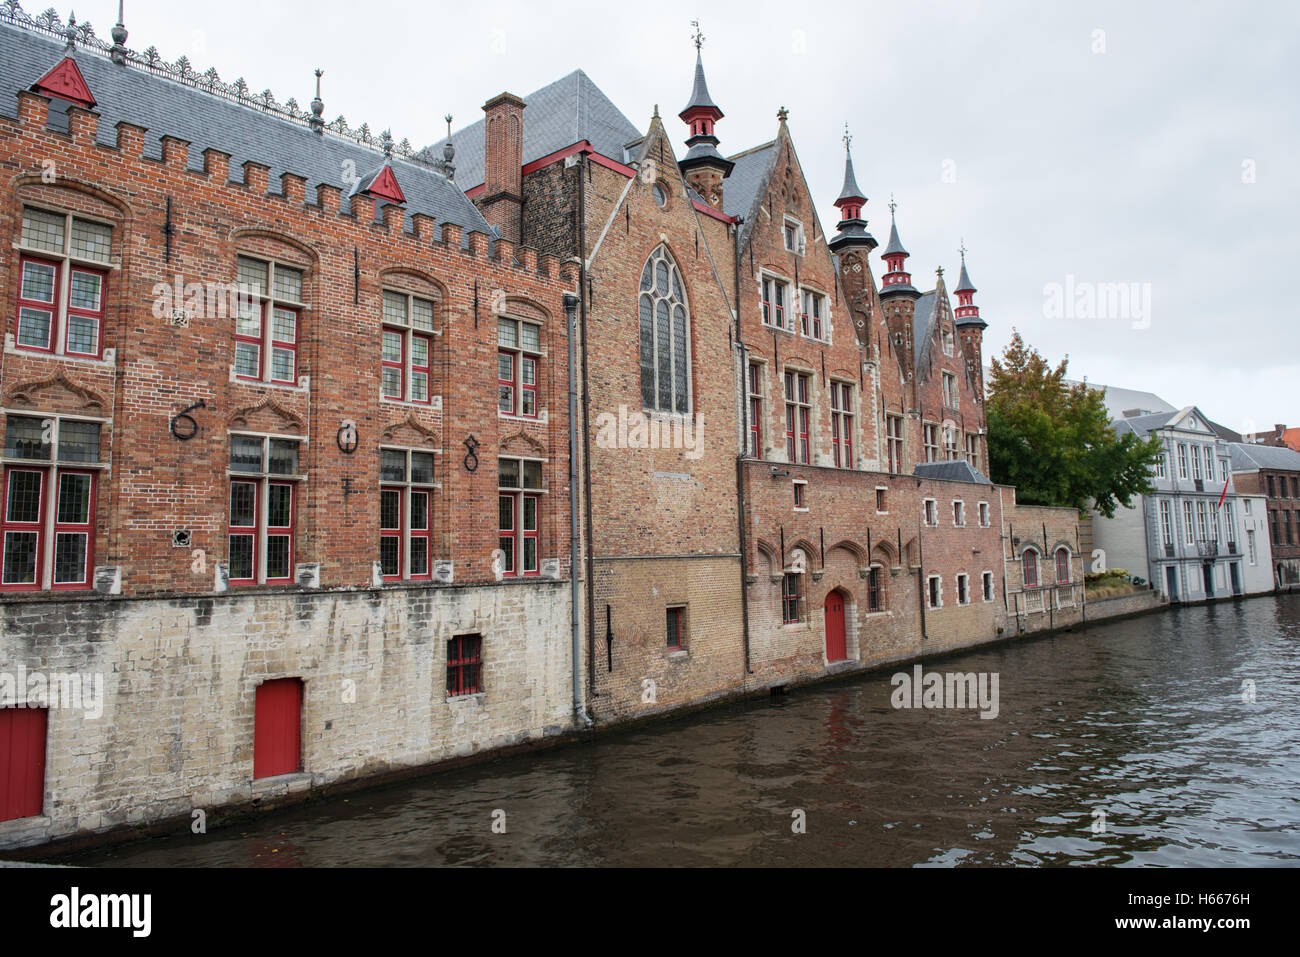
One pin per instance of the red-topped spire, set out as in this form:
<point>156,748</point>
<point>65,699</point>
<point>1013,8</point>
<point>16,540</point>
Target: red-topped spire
<point>966,313</point>
<point>897,279</point>
<point>851,198</point>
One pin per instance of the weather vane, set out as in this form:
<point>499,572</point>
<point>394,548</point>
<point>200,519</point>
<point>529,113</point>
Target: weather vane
<point>698,37</point>
<point>962,247</point>
<point>892,206</point>
<point>848,137</point>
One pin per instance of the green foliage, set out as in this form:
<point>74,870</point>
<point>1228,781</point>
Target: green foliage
<point>1053,441</point>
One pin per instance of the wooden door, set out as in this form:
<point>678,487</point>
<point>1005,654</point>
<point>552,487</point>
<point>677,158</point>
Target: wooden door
<point>835,644</point>
<point>277,723</point>
<point>22,762</point>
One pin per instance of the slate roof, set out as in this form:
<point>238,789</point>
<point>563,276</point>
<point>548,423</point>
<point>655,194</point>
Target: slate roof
<point>954,470</point>
<point>167,107</point>
<point>1248,458</point>
<point>1118,401</point>
<point>560,114</point>
<point>851,188</point>
<point>741,190</point>
<point>963,281</point>
<point>1144,425</point>
<point>923,318</point>
<point>700,91</point>
<point>895,245</point>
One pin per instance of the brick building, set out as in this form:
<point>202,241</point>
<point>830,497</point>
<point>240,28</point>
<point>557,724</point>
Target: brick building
<point>287,434</point>
<point>1273,472</point>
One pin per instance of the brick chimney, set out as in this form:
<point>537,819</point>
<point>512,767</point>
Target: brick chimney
<point>501,201</point>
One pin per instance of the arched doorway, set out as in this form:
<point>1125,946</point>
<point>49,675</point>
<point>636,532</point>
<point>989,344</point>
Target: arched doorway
<point>836,646</point>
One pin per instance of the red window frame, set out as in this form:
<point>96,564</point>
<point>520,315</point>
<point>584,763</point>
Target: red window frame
<point>399,365</point>
<point>281,531</point>
<point>51,307</point>
<point>894,442</point>
<point>251,531</point>
<point>282,344</point>
<point>1063,566</point>
<point>842,424</point>
<point>1029,568</point>
<point>420,537</point>
<point>527,363</point>
<point>796,418</point>
<point>426,368</point>
<point>771,286</point>
<point>510,383</point>
<point>7,527</point>
<point>258,341</point>
<point>755,411</point>
<point>519,535</point>
<point>676,621</point>
<point>96,314</point>
<point>508,535</point>
<point>464,665</point>
<point>86,528</point>
<point>390,532</point>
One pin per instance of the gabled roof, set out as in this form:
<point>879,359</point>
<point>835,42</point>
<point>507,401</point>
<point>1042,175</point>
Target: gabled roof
<point>167,107</point>
<point>64,80</point>
<point>742,189</point>
<point>568,111</point>
<point>1119,401</point>
<point>1144,425</point>
<point>954,470</point>
<point>923,318</point>
<point>1247,457</point>
<point>380,183</point>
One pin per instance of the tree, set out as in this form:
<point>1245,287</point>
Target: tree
<point>1053,441</point>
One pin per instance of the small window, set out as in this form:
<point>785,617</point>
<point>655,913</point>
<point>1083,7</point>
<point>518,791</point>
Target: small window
<point>959,513</point>
<point>987,584</point>
<point>984,514</point>
<point>661,197</point>
<point>774,302</point>
<point>1029,568</point>
<point>963,591</point>
<point>792,234</point>
<point>932,591</point>
<point>464,665</point>
<point>875,599</point>
<point>1062,565</point>
<point>931,512</point>
<point>800,495</point>
<point>790,598</point>
<point>677,628</point>
<point>880,501</point>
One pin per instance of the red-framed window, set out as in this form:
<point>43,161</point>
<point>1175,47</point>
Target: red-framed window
<point>406,514</point>
<point>811,317</point>
<point>798,412</point>
<point>267,324</point>
<point>518,367</point>
<point>464,665</point>
<point>62,283</point>
<point>519,510</point>
<point>789,598</point>
<point>842,424</point>
<point>676,627</point>
<point>894,441</point>
<point>1029,568</point>
<point>1062,566</point>
<point>47,517</point>
<point>262,515</point>
<point>407,347</point>
<point>774,302</point>
<point>755,383</point>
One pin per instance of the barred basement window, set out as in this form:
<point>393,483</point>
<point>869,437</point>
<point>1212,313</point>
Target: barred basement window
<point>518,363</point>
<point>405,514</point>
<point>48,522</point>
<point>407,358</point>
<point>266,331</point>
<point>519,516</point>
<point>790,598</point>
<point>464,665</point>
<point>665,350</point>
<point>263,492</point>
<point>61,292</point>
<point>875,600</point>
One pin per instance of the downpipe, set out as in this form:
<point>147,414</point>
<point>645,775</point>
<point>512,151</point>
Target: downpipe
<point>580,716</point>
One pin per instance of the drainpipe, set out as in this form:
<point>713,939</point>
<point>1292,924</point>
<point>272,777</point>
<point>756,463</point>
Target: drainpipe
<point>580,715</point>
<point>582,174</point>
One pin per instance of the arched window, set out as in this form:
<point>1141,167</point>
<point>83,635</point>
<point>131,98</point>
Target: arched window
<point>1062,565</point>
<point>1029,568</point>
<point>664,350</point>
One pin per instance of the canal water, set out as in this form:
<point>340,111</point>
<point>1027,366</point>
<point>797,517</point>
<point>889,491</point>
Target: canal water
<point>1138,725</point>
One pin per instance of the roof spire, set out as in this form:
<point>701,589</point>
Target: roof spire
<point>700,114</point>
<point>316,122</point>
<point>850,202</point>
<point>966,313</point>
<point>897,279</point>
<point>386,143</point>
<point>448,154</point>
<point>70,31</point>
<point>118,51</point>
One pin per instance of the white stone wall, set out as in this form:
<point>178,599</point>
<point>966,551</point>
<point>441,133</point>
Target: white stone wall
<point>180,678</point>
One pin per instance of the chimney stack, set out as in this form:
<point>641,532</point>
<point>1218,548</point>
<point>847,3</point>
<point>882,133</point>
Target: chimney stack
<point>502,199</point>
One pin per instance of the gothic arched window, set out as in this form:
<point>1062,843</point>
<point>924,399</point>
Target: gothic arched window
<point>664,323</point>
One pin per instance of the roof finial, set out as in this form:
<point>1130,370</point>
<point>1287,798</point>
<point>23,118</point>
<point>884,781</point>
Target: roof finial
<point>848,137</point>
<point>656,113</point>
<point>939,272</point>
<point>386,142</point>
<point>892,206</point>
<point>448,119</point>
<point>117,53</point>
<point>962,247</point>
<point>449,153</point>
<point>698,37</point>
<point>317,107</point>
<point>70,31</point>
<point>782,113</point>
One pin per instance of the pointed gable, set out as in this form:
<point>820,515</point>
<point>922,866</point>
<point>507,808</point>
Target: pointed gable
<point>381,184</point>
<point>65,82</point>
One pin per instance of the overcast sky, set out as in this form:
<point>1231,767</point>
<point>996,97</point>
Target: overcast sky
<point>1155,144</point>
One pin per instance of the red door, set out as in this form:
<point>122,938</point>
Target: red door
<point>277,723</point>
<point>22,762</point>
<point>835,647</point>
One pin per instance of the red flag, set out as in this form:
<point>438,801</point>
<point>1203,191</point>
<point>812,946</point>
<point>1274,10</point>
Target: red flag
<point>1224,493</point>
